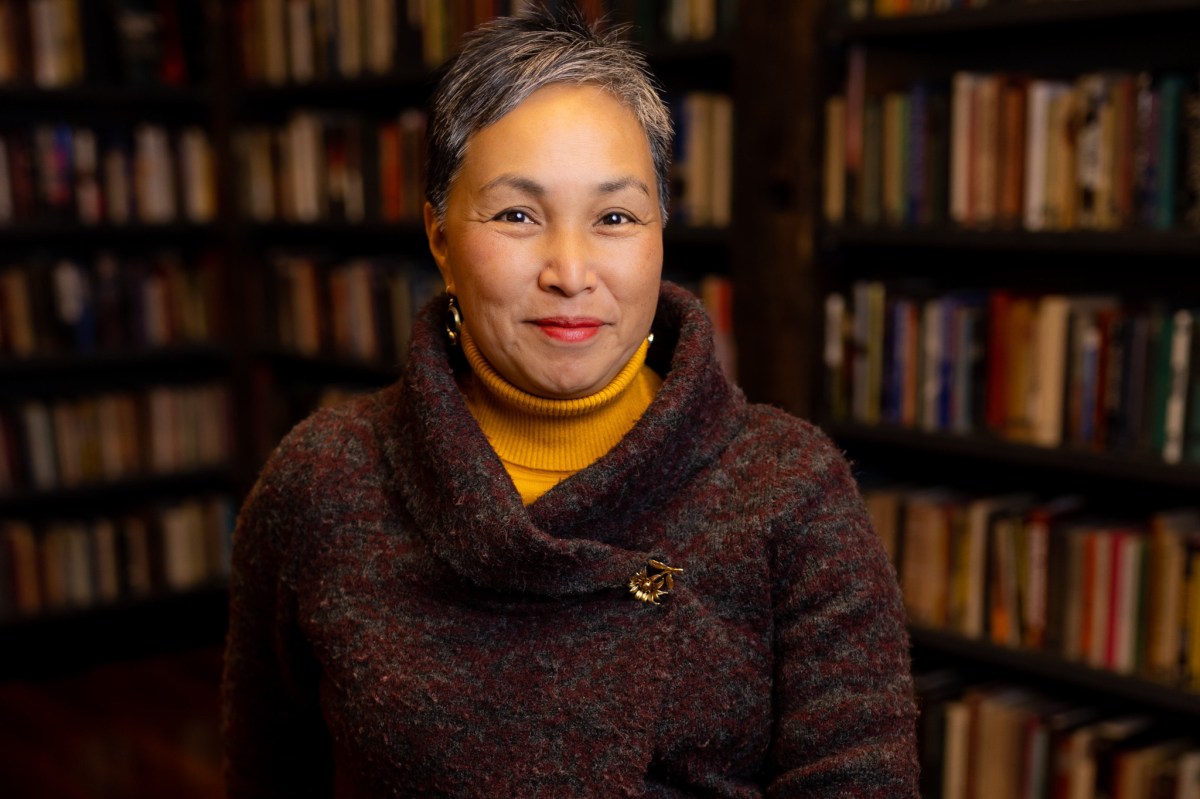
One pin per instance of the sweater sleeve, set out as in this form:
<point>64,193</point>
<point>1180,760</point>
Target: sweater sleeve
<point>275,740</point>
<point>845,717</point>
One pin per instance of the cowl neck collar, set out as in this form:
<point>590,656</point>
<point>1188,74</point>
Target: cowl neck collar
<point>595,529</point>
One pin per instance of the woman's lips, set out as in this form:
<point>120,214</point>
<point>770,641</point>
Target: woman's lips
<point>569,329</point>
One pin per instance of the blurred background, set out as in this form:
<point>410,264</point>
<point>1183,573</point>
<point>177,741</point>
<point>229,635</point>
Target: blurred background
<point>959,235</point>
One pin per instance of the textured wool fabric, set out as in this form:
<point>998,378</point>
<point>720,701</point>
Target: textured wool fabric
<point>540,441</point>
<point>402,625</point>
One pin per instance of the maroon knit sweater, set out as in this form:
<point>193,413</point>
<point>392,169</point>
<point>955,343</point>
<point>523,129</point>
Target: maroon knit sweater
<point>401,625</point>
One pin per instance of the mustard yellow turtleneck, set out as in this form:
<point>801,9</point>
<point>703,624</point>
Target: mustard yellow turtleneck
<point>542,442</point>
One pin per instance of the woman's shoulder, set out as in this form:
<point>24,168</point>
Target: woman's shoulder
<point>332,440</point>
<point>790,440</point>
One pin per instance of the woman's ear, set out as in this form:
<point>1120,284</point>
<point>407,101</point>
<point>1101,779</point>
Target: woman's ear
<point>437,245</point>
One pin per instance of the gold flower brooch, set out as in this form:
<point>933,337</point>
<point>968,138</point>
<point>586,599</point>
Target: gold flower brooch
<point>653,581</point>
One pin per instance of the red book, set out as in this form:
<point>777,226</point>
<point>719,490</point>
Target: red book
<point>996,408</point>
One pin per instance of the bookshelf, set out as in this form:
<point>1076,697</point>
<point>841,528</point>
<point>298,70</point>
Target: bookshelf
<point>118,463</point>
<point>952,184</point>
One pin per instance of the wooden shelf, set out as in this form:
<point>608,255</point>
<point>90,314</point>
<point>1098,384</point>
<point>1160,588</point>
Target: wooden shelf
<point>1118,468</point>
<point>1077,242</point>
<point>396,91</point>
<point>74,236</point>
<point>67,639</point>
<point>996,17</point>
<point>97,497</point>
<point>1040,665</point>
<point>144,366</point>
<point>291,366</point>
<point>149,101</point>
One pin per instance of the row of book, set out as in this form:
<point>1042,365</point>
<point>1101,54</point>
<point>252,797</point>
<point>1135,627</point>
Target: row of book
<point>74,441</point>
<point>1104,151</point>
<point>1096,372</point>
<point>339,167</point>
<point>56,43</point>
<point>77,563</point>
<point>1050,575</point>
<point>361,309</point>
<point>301,41</point>
<point>66,305</point>
<point>702,177</point>
<point>147,173</point>
<point>1002,740</point>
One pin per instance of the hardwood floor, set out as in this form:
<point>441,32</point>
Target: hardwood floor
<point>137,729</point>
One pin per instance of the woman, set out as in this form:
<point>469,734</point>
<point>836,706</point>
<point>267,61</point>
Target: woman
<point>562,556</point>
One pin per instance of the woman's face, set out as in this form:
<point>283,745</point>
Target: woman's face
<point>552,240</point>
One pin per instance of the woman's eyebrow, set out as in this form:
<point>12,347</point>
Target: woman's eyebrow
<point>613,186</point>
<point>521,184</point>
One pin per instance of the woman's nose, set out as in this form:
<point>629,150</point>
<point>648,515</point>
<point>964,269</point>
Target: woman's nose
<point>568,267</point>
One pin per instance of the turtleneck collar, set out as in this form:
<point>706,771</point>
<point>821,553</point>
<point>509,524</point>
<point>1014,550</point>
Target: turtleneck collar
<point>556,435</point>
<point>591,531</point>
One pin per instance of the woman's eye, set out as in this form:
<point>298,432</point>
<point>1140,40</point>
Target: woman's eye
<point>615,218</point>
<point>513,215</point>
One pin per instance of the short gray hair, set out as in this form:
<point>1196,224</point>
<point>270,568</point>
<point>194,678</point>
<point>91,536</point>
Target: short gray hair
<point>504,61</point>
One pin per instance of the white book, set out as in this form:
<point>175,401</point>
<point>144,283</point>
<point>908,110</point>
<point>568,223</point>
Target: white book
<point>306,165</point>
<point>49,65</point>
<point>1129,591</point>
<point>1181,348</point>
<point>155,175</point>
<point>1188,784</point>
<point>39,444</point>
